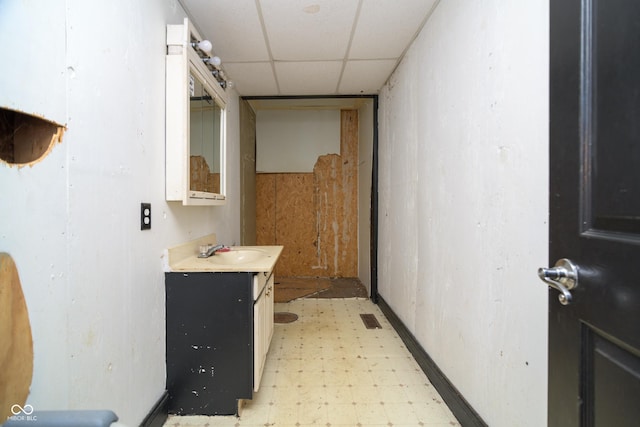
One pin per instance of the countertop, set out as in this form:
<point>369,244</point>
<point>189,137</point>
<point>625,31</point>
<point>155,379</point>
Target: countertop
<point>184,257</point>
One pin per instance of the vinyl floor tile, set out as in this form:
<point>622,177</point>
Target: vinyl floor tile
<point>327,369</point>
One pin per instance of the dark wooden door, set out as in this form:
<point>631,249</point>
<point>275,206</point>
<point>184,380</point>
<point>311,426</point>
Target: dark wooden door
<point>594,341</point>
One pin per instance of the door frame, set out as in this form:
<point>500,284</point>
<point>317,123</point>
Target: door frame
<point>373,218</point>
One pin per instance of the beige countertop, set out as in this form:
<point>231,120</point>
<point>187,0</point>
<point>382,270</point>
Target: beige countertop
<point>184,257</point>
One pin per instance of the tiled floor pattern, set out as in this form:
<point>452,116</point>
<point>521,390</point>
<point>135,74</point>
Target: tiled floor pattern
<point>327,369</point>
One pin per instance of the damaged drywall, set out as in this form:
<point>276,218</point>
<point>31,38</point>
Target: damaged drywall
<point>26,139</point>
<point>314,215</point>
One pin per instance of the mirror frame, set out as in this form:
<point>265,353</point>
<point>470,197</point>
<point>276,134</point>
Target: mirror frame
<point>181,61</point>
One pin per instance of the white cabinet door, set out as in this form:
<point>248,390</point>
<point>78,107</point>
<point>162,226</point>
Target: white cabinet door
<point>259,311</point>
<point>268,320</point>
<point>262,330</point>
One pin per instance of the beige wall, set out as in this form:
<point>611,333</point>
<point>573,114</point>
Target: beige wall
<point>365,159</point>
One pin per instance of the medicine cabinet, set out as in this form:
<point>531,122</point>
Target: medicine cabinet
<point>195,121</point>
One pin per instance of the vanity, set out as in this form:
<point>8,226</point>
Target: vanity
<point>219,309</point>
<point>219,324</point>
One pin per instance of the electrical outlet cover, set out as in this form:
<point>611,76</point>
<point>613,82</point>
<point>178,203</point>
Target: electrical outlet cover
<point>145,216</point>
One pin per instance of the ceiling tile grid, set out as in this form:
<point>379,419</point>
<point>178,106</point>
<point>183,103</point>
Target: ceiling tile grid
<point>309,47</point>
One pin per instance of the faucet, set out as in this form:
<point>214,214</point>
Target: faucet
<point>210,251</point>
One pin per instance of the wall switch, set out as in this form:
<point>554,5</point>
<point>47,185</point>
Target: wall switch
<point>145,216</point>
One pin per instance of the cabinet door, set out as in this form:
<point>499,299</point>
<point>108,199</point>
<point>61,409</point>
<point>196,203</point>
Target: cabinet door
<point>259,351</point>
<point>269,312</point>
<point>263,328</point>
<point>209,342</point>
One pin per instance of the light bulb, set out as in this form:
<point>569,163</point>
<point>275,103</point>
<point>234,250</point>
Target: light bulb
<point>215,61</point>
<point>205,46</point>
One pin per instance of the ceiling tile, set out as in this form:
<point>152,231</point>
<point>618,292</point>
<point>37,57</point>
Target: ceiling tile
<point>232,26</point>
<point>308,78</point>
<point>252,78</point>
<point>386,27</point>
<point>300,30</point>
<point>365,77</point>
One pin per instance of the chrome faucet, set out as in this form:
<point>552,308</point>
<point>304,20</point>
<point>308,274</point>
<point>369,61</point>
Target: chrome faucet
<point>210,251</point>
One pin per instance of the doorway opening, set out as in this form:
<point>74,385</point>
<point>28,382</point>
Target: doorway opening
<point>307,177</point>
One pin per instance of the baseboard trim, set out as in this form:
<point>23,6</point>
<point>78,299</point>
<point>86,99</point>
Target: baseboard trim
<point>158,414</point>
<point>461,409</point>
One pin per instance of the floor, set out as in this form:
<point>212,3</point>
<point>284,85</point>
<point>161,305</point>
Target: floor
<point>327,369</point>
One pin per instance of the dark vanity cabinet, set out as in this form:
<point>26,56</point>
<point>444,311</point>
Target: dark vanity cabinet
<point>210,341</point>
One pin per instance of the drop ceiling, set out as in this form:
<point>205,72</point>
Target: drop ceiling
<point>309,47</point>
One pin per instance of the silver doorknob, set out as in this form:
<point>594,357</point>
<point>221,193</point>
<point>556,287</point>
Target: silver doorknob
<point>562,277</point>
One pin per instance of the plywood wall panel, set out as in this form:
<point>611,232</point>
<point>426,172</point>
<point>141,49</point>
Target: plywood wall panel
<point>348,249</point>
<point>337,217</point>
<point>329,198</point>
<point>314,215</point>
<point>295,224</point>
<point>266,209</point>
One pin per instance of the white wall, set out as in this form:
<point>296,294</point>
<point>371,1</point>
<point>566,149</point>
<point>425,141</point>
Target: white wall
<point>292,140</point>
<point>365,163</point>
<point>463,201</point>
<point>92,279</point>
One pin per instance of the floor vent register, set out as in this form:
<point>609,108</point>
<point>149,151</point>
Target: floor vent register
<point>370,321</point>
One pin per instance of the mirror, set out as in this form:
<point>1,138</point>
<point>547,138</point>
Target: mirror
<point>195,121</point>
<point>205,134</point>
